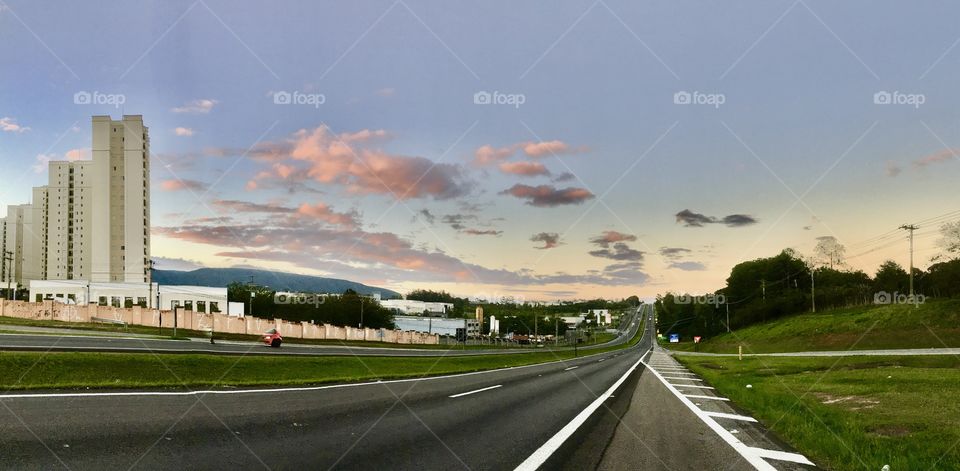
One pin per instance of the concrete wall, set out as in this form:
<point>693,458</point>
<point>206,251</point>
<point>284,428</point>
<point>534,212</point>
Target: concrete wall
<point>52,310</point>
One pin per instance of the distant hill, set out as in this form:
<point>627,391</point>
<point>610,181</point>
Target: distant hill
<point>278,281</point>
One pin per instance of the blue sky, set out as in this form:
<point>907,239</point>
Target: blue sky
<point>798,145</point>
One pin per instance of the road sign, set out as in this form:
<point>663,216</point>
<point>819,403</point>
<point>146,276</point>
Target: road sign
<point>696,339</point>
<point>674,338</point>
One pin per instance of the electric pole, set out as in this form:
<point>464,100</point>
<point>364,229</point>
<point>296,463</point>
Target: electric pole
<point>911,228</point>
<point>813,292</point>
<point>728,316</point>
<point>8,260</point>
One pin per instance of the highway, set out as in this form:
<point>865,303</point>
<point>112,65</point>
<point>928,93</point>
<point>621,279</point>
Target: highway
<point>560,415</point>
<point>104,343</point>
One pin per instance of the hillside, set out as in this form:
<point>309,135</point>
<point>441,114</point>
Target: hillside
<point>221,277</point>
<point>935,324</point>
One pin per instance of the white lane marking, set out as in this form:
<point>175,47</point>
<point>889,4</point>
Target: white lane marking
<point>476,391</point>
<point>274,390</point>
<point>782,456</point>
<point>692,386</point>
<point>601,359</point>
<point>722,415</point>
<point>749,453</point>
<point>534,461</point>
<point>679,373</point>
<point>679,378</point>
<point>571,368</point>
<point>699,396</point>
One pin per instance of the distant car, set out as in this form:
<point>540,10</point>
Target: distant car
<point>272,338</point>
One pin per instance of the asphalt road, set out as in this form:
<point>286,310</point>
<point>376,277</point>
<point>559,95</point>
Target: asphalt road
<point>562,415</point>
<point>92,342</point>
<point>422,424</point>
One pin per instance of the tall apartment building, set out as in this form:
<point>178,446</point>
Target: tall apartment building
<point>92,220</point>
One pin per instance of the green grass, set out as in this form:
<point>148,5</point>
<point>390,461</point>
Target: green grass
<point>932,325</point>
<point>852,412</point>
<point>30,370</point>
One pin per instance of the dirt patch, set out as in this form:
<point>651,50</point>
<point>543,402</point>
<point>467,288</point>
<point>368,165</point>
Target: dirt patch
<point>712,366</point>
<point>848,402</point>
<point>892,430</point>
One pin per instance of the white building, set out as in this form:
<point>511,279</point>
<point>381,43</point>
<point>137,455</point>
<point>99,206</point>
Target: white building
<point>412,307</point>
<point>81,292</point>
<point>92,220</point>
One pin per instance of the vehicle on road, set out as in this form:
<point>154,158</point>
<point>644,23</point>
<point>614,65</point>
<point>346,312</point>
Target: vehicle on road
<point>273,338</point>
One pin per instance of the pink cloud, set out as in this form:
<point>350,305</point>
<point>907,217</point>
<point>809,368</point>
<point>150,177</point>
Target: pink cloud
<point>937,157</point>
<point>177,185</point>
<point>547,195</point>
<point>77,154</point>
<point>526,169</point>
<point>540,149</point>
<point>181,131</point>
<point>322,212</point>
<point>609,237</point>
<point>488,154</point>
<point>493,232</point>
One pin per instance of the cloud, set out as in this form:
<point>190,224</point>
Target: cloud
<point>10,125</point>
<point>619,251</point>
<point>540,149</point>
<point>347,160</point>
<point>324,213</point>
<point>196,106</point>
<point>371,254</point>
<point>386,92</point>
<point>547,195</point>
<point>427,215</point>
<point>892,169</point>
<point>526,169</point>
<point>937,157</point>
<point>178,264</point>
<point>674,253</point>
<point>235,206</point>
<point>488,154</point>
<point>608,237</point>
<point>181,131</point>
<point>457,221</point>
<point>177,185</point>
<point>43,161</point>
<point>74,155</point>
<point>550,240</point>
<point>482,232</point>
<point>691,219</point>
<point>563,177</point>
<point>687,266</point>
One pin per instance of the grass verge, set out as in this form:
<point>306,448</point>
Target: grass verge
<point>29,370</point>
<point>850,412</point>
<point>932,325</point>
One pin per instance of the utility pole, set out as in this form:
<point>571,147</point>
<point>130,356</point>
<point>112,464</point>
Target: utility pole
<point>911,228</point>
<point>763,287</point>
<point>728,316</point>
<point>556,330</point>
<point>813,292</point>
<point>8,261</point>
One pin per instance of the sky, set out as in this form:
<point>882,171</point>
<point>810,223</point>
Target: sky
<point>541,150</point>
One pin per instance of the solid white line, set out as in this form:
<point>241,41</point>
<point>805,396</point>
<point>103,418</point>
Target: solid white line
<point>679,373</point>
<point>751,454</point>
<point>274,390</point>
<point>722,415</point>
<point>476,391</point>
<point>534,461</point>
<point>698,396</point>
<point>679,378</point>
<point>782,456</point>
<point>691,386</point>
<point>571,368</point>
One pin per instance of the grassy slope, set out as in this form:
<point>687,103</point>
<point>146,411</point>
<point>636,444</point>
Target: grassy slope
<point>934,324</point>
<point>22,370</point>
<point>850,413</point>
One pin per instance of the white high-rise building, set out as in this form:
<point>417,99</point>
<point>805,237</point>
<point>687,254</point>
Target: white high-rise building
<point>92,221</point>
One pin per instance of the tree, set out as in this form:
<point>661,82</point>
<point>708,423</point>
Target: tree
<point>950,240</point>
<point>830,251</point>
<point>891,278</point>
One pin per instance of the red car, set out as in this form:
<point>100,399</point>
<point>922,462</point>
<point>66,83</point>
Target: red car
<point>272,338</point>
